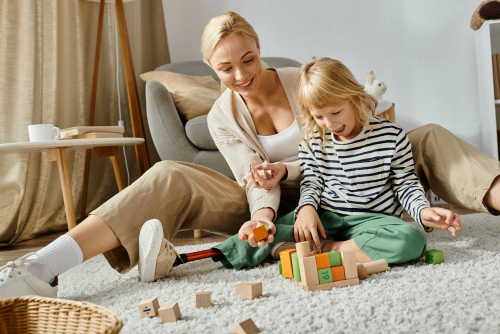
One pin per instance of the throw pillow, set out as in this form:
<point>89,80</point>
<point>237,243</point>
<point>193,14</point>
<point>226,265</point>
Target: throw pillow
<point>193,96</point>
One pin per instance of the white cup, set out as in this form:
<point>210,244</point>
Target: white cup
<point>43,132</point>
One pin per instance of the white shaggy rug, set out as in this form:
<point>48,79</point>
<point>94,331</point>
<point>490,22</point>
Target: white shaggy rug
<point>461,295</point>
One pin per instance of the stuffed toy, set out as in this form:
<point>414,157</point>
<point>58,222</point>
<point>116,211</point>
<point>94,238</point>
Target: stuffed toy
<point>487,10</point>
<point>375,87</point>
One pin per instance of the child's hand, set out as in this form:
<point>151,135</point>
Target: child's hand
<point>442,219</point>
<point>307,224</point>
<point>251,238</point>
<point>275,172</point>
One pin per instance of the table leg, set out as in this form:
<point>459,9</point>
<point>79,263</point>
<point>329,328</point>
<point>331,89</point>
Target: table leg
<point>114,154</point>
<point>59,155</point>
<point>117,167</point>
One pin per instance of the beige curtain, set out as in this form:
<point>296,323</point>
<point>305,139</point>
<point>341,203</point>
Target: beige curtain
<point>46,66</point>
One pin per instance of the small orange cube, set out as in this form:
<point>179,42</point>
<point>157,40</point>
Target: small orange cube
<point>338,273</point>
<point>260,233</point>
<point>322,261</point>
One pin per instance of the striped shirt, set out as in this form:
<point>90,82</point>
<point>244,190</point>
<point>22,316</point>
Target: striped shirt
<point>372,173</point>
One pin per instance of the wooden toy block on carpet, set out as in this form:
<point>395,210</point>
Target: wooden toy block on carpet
<point>335,259</point>
<point>149,307</point>
<point>434,256</point>
<point>249,290</point>
<point>296,268</point>
<point>286,262</point>
<point>349,263</point>
<point>203,299</point>
<point>246,327</point>
<point>325,275</point>
<point>375,267</point>
<point>169,312</point>
<point>362,274</point>
<point>303,249</point>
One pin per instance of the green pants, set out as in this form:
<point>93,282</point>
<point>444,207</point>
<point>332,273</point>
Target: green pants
<point>378,236</point>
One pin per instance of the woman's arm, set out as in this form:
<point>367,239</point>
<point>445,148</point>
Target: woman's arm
<point>235,147</point>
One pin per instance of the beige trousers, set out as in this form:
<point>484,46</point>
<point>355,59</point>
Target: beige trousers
<point>186,196</point>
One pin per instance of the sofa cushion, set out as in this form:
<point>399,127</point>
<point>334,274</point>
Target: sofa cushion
<point>198,134</point>
<point>193,96</point>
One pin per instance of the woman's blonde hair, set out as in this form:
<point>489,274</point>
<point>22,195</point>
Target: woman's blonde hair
<point>216,29</point>
<point>328,82</point>
<point>221,26</point>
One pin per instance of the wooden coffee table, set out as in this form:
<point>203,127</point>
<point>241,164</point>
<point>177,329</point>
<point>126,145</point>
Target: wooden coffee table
<point>56,151</point>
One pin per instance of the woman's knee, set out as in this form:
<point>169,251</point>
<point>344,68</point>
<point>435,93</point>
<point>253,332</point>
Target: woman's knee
<point>165,169</point>
<point>409,244</point>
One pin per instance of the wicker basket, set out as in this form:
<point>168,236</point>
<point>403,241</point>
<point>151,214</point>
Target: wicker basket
<point>35,314</point>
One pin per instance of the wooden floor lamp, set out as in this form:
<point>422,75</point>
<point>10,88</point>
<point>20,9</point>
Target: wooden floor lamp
<point>141,151</point>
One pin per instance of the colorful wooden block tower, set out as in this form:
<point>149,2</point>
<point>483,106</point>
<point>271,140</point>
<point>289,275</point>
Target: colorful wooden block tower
<point>321,271</point>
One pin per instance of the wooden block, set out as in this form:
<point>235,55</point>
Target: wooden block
<point>362,274</point>
<point>434,256</point>
<point>325,275</point>
<point>203,299</point>
<point>338,273</point>
<point>322,261</point>
<point>260,233</point>
<point>317,287</point>
<point>262,172</point>
<point>349,263</point>
<point>303,249</point>
<point>169,313</point>
<point>149,307</point>
<point>376,266</point>
<point>286,262</point>
<point>279,268</point>
<point>308,271</point>
<point>296,268</point>
<point>335,259</point>
<point>248,230</point>
<point>249,290</point>
<point>198,234</point>
<point>347,282</point>
<point>246,327</point>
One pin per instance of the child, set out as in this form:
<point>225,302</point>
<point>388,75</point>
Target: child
<point>358,174</point>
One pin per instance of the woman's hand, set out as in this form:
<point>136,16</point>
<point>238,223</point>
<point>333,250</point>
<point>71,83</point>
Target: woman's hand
<point>441,219</point>
<point>275,172</point>
<point>307,224</point>
<point>251,238</point>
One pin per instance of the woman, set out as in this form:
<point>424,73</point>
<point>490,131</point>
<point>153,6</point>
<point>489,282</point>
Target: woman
<point>257,105</point>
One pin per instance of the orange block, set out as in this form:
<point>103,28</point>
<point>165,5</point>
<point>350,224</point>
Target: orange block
<point>260,233</point>
<point>286,262</point>
<point>322,261</point>
<point>338,273</point>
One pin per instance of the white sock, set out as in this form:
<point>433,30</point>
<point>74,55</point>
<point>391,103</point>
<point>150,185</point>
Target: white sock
<point>57,257</point>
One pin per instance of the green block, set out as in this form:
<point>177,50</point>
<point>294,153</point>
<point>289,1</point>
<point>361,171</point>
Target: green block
<point>434,256</point>
<point>325,275</point>
<point>280,269</point>
<point>296,268</point>
<point>267,227</point>
<point>335,259</point>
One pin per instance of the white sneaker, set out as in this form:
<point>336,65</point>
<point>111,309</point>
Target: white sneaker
<point>16,280</point>
<point>156,254</point>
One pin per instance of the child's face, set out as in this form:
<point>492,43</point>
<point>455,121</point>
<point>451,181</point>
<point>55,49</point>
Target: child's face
<point>340,120</point>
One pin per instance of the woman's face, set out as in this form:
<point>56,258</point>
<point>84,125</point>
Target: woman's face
<point>340,120</point>
<point>236,60</point>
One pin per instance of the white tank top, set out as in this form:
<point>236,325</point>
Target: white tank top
<point>283,146</point>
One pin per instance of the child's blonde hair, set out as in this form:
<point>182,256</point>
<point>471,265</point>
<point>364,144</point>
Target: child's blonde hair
<point>327,82</point>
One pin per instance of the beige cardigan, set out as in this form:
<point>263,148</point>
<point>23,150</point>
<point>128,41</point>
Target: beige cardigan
<point>238,143</point>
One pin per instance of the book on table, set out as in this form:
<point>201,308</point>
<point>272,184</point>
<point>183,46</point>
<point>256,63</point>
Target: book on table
<point>80,130</point>
<point>92,135</point>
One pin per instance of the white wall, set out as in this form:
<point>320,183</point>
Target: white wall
<point>423,50</point>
